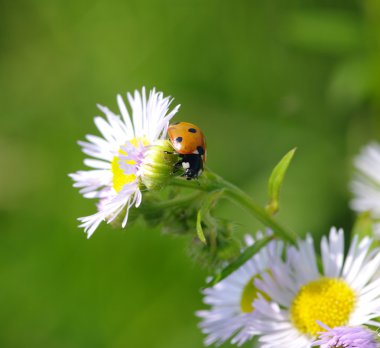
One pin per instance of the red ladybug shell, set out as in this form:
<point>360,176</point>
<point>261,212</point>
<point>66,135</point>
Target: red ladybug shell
<point>187,138</point>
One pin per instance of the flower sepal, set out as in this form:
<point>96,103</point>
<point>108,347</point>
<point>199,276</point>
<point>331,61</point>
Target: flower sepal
<point>159,165</point>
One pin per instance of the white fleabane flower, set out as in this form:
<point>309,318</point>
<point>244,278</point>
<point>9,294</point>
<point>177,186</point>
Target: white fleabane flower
<point>121,158</point>
<point>345,293</point>
<point>231,312</point>
<point>366,183</point>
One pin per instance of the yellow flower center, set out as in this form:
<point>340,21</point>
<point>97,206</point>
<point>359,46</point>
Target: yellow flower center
<point>329,300</point>
<point>249,294</point>
<point>119,177</point>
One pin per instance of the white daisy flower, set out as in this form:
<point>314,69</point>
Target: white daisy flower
<point>345,293</point>
<point>231,299</point>
<point>366,183</point>
<point>119,156</point>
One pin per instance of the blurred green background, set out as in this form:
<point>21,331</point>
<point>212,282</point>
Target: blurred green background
<point>259,77</point>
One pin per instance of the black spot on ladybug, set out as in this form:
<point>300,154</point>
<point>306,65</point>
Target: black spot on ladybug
<point>178,140</point>
<point>200,149</point>
<point>192,130</point>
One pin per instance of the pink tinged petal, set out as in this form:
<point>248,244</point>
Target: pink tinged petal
<point>350,256</point>
<point>90,181</point>
<point>97,194</point>
<point>97,164</point>
<point>371,290</point>
<point>138,198</point>
<point>161,130</point>
<point>366,183</point>
<point>310,256</point>
<point>119,129</point>
<point>136,106</point>
<point>303,261</point>
<point>125,220</point>
<point>101,143</point>
<point>105,129</point>
<point>373,323</point>
<point>110,210</point>
<point>117,212</point>
<point>368,161</point>
<point>358,257</point>
<point>366,273</point>
<point>332,253</point>
<point>113,130</point>
<point>124,113</point>
<point>283,336</point>
<point>93,151</point>
<point>91,223</point>
<point>145,123</point>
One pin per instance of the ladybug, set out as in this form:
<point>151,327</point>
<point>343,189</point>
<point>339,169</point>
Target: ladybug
<point>189,142</point>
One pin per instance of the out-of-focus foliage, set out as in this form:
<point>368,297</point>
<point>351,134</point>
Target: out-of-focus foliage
<point>259,77</point>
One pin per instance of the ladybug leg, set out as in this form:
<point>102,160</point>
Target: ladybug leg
<point>184,165</point>
<point>178,166</point>
<point>193,165</point>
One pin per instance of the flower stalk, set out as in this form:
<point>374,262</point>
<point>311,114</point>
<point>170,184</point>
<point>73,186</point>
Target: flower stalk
<point>210,182</point>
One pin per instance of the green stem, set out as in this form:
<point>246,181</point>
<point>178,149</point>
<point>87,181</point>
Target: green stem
<point>241,198</point>
<point>180,182</point>
<point>183,201</point>
<point>210,182</point>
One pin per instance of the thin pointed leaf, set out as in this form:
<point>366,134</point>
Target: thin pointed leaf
<point>200,233</point>
<point>275,182</point>
<point>208,203</point>
<point>242,258</point>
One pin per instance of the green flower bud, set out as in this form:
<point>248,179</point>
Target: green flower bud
<point>158,166</point>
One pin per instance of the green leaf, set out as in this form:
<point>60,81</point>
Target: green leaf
<point>242,258</point>
<point>203,212</point>
<point>275,182</point>
<point>200,233</point>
